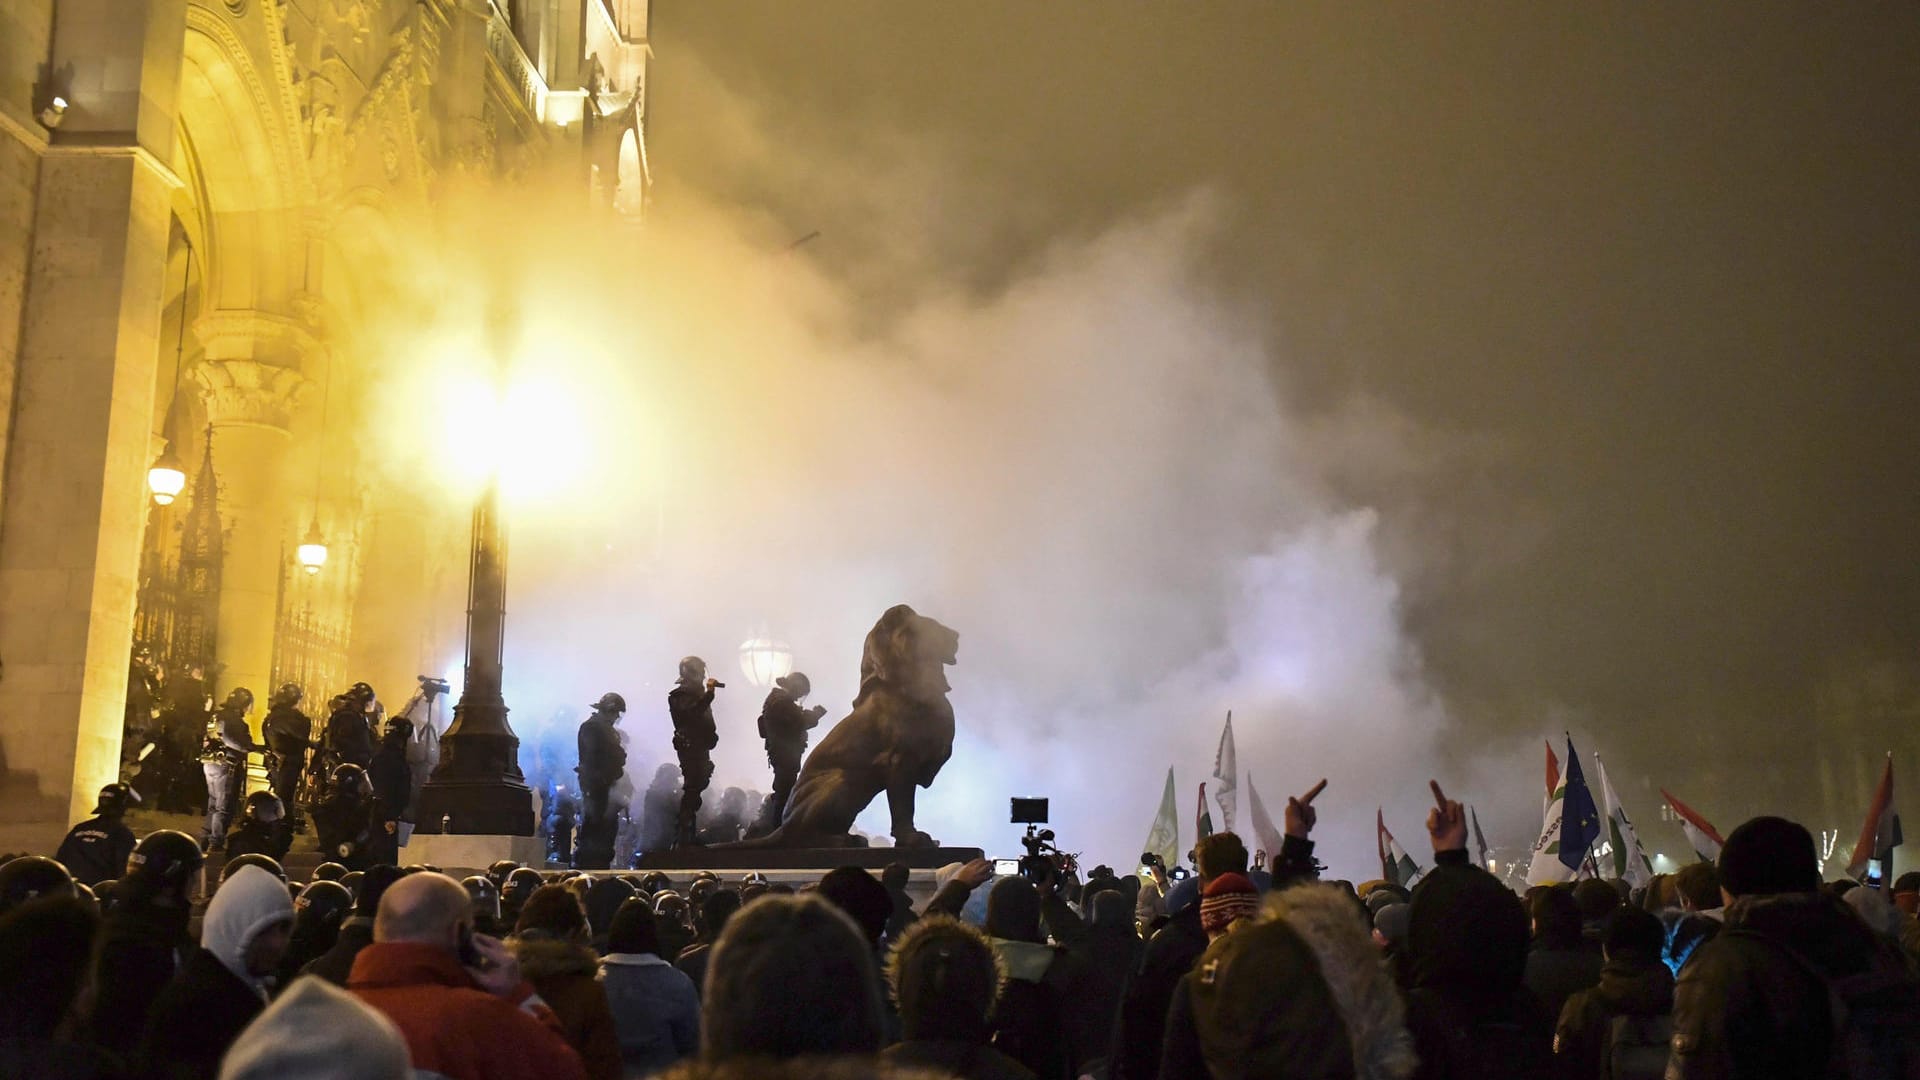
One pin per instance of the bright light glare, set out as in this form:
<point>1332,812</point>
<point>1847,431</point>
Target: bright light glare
<point>534,436</point>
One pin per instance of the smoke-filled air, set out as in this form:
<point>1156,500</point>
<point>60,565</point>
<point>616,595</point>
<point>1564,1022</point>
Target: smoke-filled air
<point>1089,472</point>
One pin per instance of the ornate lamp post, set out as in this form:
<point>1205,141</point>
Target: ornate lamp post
<point>478,787</point>
<point>763,660</point>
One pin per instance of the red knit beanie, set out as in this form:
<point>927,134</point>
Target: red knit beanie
<point>1227,898</point>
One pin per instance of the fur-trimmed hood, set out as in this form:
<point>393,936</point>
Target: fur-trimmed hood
<point>1272,992</point>
<point>543,957</point>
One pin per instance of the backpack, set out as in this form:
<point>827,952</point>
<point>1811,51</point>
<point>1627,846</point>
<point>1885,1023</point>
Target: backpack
<point>1876,1018</point>
<point>1637,1047</point>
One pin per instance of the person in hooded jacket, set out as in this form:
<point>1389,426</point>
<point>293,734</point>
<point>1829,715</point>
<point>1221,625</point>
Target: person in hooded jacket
<point>656,1008</point>
<point>1275,992</point>
<point>96,850</point>
<point>1029,1024</point>
<point>44,946</point>
<point>551,941</point>
<point>1633,983</point>
<point>225,983</point>
<point>1102,950</point>
<point>144,940</point>
<point>945,979</point>
<point>1757,1000</point>
<point>1470,1013</point>
<point>1172,950</point>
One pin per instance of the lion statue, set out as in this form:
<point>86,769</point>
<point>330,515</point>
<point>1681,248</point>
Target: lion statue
<point>898,736</point>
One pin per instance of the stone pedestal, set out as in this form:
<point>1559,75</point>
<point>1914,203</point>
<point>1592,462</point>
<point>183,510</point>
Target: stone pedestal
<point>471,853</point>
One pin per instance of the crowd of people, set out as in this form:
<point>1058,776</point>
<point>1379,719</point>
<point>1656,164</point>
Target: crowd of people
<point>1748,967</point>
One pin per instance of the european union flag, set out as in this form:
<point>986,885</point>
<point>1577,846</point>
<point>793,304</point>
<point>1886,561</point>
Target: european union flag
<point>1579,817</point>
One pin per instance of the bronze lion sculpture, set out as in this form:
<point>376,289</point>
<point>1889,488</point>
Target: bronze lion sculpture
<point>897,737</point>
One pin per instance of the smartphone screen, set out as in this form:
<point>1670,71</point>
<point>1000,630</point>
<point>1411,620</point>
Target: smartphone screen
<point>1876,873</point>
<point>1006,867</point>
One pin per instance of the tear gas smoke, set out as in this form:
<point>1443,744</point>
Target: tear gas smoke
<point>1090,472</point>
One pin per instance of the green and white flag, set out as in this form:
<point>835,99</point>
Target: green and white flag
<point>1396,866</point>
<point>1164,838</point>
<point>1629,859</point>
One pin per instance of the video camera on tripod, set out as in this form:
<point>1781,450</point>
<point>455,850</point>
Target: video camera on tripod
<point>1043,859</point>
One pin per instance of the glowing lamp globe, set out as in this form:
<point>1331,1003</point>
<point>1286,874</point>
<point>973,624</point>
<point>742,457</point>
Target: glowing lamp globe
<point>762,660</point>
<point>312,552</point>
<point>166,479</point>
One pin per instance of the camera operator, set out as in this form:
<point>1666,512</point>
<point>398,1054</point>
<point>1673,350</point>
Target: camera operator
<point>690,704</point>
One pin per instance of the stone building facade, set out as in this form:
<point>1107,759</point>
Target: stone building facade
<point>188,189</point>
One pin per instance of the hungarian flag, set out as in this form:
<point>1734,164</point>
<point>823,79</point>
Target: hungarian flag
<point>1202,817</point>
<point>1225,769</point>
<point>1628,860</point>
<point>1880,834</point>
<point>1163,839</point>
<point>1700,832</point>
<point>1264,834</point>
<point>1395,865</point>
<point>1546,867</point>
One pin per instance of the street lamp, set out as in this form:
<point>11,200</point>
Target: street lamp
<point>312,552</point>
<point>166,479</point>
<point>764,660</point>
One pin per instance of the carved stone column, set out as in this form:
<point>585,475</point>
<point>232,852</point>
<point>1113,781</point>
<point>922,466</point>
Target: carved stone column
<point>250,406</point>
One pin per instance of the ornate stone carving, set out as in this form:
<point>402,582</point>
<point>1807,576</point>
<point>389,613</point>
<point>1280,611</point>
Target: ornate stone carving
<point>247,393</point>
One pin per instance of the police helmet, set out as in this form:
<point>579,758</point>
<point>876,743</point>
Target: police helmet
<point>795,684</point>
<point>114,799</point>
<point>324,902</point>
<point>31,876</point>
<point>497,873</point>
<point>693,670</point>
<point>485,896</point>
<point>252,858</point>
<point>329,871</point>
<point>348,776</point>
<point>265,806</point>
<point>520,885</point>
<point>240,698</point>
<point>350,881</point>
<point>289,695</point>
<point>611,702</point>
<point>166,857</point>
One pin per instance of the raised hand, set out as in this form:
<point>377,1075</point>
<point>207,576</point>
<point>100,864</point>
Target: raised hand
<point>975,873</point>
<point>1300,814</point>
<point>1446,822</point>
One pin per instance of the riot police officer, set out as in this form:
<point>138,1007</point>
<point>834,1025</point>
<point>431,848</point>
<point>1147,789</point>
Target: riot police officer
<point>347,820</point>
<point>350,728</point>
<point>784,726</point>
<point>264,831</point>
<point>224,761</point>
<point>690,703</point>
<point>96,850</point>
<point>289,734</point>
<point>603,761</point>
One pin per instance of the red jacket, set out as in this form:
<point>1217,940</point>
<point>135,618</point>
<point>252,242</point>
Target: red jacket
<point>455,1029</point>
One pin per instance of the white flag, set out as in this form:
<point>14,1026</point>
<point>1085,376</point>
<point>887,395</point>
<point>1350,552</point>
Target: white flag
<point>1225,768</point>
<point>1265,836</point>
<point>1547,869</point>
<point>1628,860</point>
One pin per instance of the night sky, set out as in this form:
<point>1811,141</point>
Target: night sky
<point>1644,292</point>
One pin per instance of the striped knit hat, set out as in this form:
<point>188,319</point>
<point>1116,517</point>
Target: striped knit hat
<point>1227,898</point>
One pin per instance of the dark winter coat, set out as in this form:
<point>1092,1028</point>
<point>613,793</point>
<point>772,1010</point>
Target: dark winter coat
<point>96,850</point>
<point>141,947</point>
<point>563,974</point>
<point>1029,1024</point>
<point>349,737</point>
<point>784,722</point>
<point>1093,975</point>
<point>346,824</point>
<point>287,731</point>
<point>195,1020</point>
<point>392,778</point>
<point>1744,1007</point>
<point>691,708</point>
<point>693,963</point>
<point>1556,974</point>
<point>603,761</point>
<point>1298,991</point>
<point>1469,1012</point>
<point>336,963</point>
<point>656,1010</point>
<point>1629,986</point>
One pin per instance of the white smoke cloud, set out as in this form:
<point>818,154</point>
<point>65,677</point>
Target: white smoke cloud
<point>1089,471</point>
